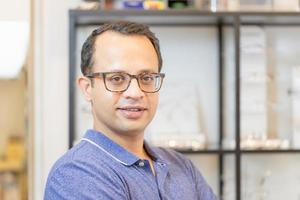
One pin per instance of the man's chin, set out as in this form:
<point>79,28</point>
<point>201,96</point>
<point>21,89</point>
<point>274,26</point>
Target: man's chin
<point>132,129</point>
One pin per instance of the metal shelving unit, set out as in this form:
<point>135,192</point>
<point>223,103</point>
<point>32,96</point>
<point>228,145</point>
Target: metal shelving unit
<point>189,17</point>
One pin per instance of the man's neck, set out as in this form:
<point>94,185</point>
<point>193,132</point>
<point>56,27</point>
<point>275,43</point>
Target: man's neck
<point>134,145</point>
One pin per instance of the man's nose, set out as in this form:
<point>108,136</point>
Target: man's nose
<point>133,90</point>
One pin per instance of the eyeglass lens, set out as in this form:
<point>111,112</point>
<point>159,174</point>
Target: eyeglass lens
<point>148,82</point>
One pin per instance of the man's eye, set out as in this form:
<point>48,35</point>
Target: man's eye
<point>147,78</point>
<point>117,79</point>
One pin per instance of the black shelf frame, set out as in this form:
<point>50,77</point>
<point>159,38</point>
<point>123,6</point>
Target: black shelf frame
<point>188,17</point>
<point>232,151</point>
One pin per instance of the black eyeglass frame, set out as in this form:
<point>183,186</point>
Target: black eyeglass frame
<point>103,76</point>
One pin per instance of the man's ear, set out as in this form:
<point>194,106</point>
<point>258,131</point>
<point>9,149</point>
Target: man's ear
<point>85,86</point>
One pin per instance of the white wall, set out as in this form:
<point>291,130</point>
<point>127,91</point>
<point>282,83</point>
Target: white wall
<point>14,10</point>
<point>50,86</point>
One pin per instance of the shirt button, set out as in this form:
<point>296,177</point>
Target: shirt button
<point>141,164</point>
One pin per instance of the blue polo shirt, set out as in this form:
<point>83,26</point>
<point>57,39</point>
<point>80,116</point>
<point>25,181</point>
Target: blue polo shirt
<point>97,168</point>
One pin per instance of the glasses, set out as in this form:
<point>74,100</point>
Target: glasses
<point>120,81</point>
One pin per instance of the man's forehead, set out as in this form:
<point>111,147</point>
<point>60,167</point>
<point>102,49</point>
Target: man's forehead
<point>112,49</point>
<point>113,36</point>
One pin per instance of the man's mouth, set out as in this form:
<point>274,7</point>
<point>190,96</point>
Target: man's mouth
<point>133,109</point>
<point>132,112</point>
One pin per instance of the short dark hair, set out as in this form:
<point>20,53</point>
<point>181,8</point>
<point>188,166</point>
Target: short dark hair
<point>122,27</point>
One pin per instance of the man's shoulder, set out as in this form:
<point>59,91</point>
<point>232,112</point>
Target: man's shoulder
<point>66,160</point>
<point>82,171</point>
<point>81,160</point>
<point>82,155</point>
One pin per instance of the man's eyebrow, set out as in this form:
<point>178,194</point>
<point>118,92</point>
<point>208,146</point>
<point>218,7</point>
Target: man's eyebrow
<point>147,71</point>
<point>139,72</point>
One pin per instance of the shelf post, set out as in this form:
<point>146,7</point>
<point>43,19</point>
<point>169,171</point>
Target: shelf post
<point>237,106</point>
<point>221,100</point>
<point>72,74</point>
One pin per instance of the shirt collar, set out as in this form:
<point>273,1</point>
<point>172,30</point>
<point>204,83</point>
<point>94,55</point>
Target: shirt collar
<point>115,150</point>
<point>151,152</point>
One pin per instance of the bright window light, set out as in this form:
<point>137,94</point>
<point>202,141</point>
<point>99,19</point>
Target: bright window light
<point>14,41</point>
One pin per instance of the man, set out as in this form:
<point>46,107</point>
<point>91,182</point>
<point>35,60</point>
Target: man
<point>121,64</point>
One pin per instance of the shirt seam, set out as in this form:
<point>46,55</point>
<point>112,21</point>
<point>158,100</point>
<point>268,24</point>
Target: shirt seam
<point>102,149</point>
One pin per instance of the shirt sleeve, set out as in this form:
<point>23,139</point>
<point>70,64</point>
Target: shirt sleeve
<point>81,181</point>
<point>204,191</point>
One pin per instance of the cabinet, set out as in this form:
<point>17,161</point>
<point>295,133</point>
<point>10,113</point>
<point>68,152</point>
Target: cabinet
<point>240,87</point>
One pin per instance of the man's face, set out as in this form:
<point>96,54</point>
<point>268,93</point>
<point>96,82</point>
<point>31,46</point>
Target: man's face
<point>127,112</point>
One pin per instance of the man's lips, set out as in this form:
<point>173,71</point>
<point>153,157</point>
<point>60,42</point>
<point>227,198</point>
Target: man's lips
<point>132,108</point>
<point>132,112</point>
